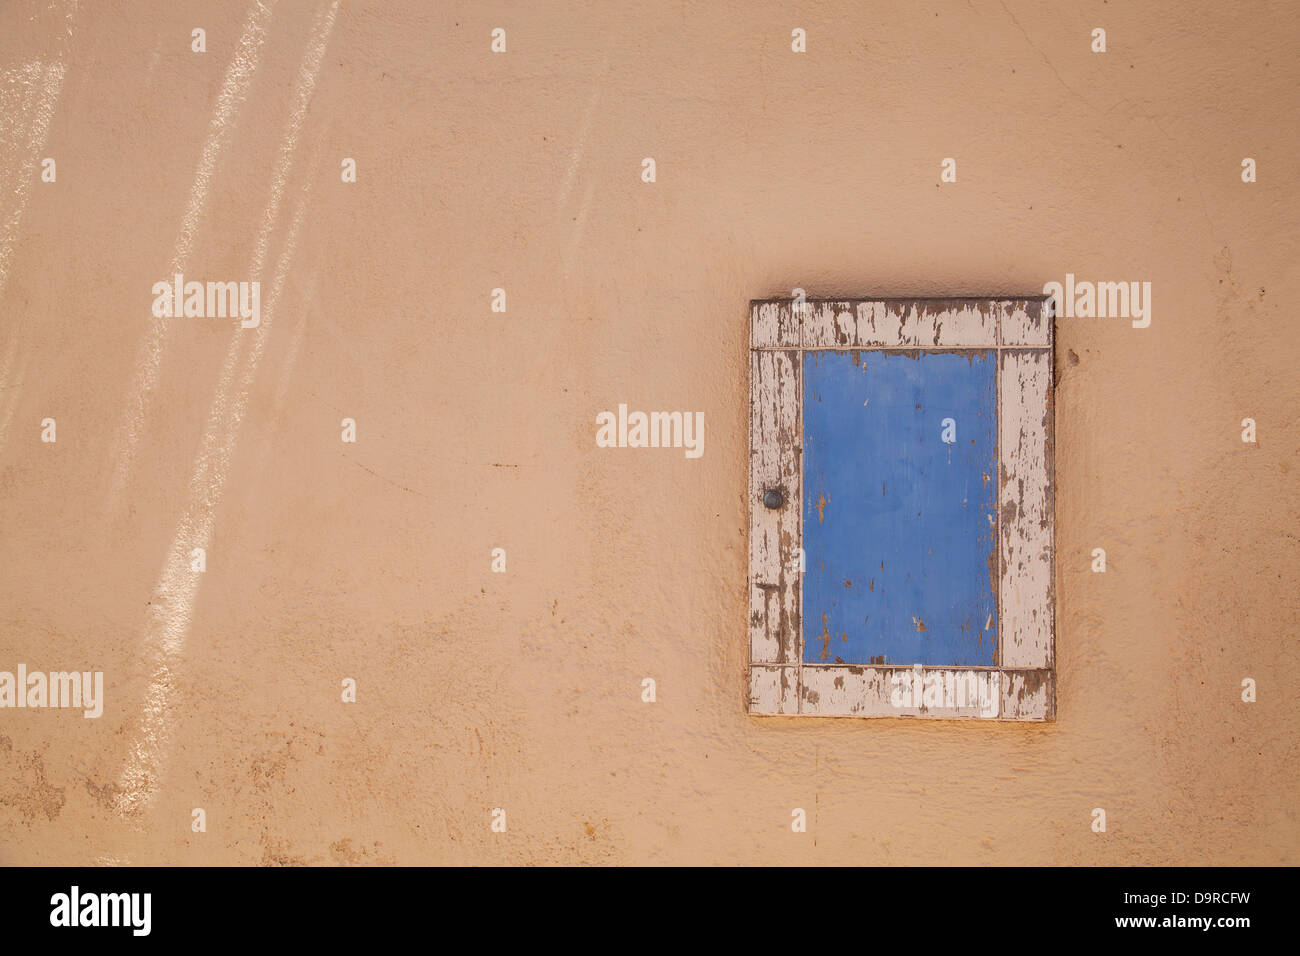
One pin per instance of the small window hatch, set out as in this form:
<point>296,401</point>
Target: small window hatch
<point>901,556</point>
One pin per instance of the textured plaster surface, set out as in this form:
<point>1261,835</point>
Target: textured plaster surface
<point>476,430</point>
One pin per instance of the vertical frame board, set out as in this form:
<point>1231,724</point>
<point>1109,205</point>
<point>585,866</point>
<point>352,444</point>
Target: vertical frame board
<point>1026,507</point>
<point>1015,335</point>
<point>775,490</point>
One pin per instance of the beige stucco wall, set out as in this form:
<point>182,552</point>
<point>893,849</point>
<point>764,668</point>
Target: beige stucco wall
<point>476,430</point>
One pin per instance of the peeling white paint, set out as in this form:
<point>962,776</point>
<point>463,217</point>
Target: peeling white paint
<point>1024,506</point>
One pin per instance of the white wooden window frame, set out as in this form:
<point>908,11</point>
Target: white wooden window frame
<point>1021,685</point>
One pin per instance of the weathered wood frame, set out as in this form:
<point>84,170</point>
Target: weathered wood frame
<point>1021,685</point>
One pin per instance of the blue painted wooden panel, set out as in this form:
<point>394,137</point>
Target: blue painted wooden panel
<point>899,528</point>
